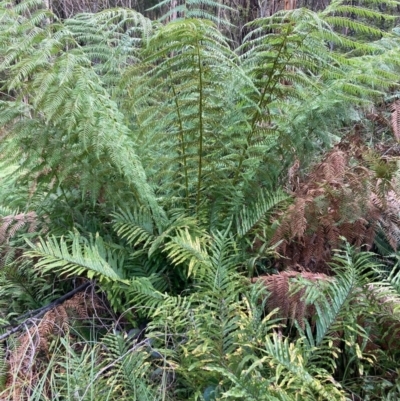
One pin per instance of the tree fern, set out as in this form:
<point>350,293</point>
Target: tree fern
<point>67,100</point>
<point>170,144</point>
<point>221,116</point>
<point>200,60</point>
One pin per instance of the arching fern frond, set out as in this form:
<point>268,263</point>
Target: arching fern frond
<point>63,96</point>
<point>76,257</point>
<point>346,314</point>
<point>250,216</point>
<point>94,259</point>
<point>111,39</point>
<point>187,64</point>
<point>135,226</point>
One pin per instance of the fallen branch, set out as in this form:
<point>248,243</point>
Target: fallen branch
<point>35,314</point>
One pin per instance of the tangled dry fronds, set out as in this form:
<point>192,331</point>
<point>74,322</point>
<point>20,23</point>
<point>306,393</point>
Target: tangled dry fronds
<point>395,109</point>
<point>350,194</point>
<point>25,365</point>
<point>287,292</point>
<point>12,223</point>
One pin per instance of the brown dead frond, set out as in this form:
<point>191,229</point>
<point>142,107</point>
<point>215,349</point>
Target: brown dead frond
<point>293,178</point>
<point>350,194</point>
<point>395,109</point>
<point>378,117</point>
<point>287,294</point>
<point>26,358</point>
<point>9,225</point>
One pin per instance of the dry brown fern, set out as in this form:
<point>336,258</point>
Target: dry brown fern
<point>26,359</point>
<point>287,294</point>
<point>287,291</point>
<point>350,194</point>
<point>377,116</point>
<point>395,120</point>
<point>12,223</point>
<point>293,178</point>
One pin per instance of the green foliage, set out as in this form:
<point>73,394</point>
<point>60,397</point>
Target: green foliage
<point>111,368</point>
<point>3,369</point>
<point>172,115</point>
<point>129,368</point>
<point>152,158</point>
<point>221,338</point>
<point>96,260</point>
<point>68,104</point>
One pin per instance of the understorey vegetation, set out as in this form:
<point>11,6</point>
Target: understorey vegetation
<point>195,205</point>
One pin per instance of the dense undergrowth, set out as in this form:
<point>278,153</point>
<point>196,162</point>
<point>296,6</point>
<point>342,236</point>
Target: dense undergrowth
<point>187,217</point>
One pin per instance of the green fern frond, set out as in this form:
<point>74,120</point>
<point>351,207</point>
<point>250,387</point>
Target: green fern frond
<point>257,211</point>
<point>289,356</point>
<point>353,272</point>
<point>185,59</point>
<point>185,249</point>
<point>280,372</point>
<point>66,95</point>
<point>96,260</point>
<point>136,227</point>
<point>129,366</point>
<point>77,257</point>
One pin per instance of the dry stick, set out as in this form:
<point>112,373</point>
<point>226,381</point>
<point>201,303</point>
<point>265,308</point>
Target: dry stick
<point>41,311</point>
